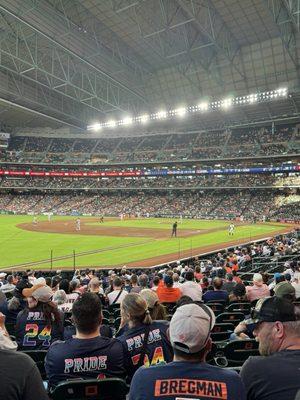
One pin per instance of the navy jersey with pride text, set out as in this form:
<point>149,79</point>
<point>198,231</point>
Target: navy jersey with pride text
<point>34,333</point>
<point>186,381</point>
<point>158,349</point>
<point>94,358</point>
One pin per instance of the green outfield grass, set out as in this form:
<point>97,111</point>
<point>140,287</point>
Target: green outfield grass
<point>19,246</point>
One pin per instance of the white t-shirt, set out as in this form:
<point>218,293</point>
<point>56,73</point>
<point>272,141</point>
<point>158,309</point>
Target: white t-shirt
<point>112,295</point>
<point>71,297</point>
<point>191,289</point>
<point>65,307</point>
<point>6,343</point>
<point>297,289</point>
<point>177,285</point>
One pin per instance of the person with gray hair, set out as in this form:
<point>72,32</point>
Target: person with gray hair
<point>275,375</point>
<point>8,287</point>
<point>60,298</point>
<point>258,290</point>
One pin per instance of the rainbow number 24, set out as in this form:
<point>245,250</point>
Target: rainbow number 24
<point>32,331</point>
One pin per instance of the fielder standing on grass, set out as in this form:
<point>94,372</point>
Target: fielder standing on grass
<point>174,229</point>
<point>231,229</point>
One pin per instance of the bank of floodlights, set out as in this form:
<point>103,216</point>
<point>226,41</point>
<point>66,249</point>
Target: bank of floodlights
<point>182,111</point>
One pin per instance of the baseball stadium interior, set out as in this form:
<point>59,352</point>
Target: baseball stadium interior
<point>150,199</point>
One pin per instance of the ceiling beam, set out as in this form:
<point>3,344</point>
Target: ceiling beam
<point>286,29</point>
<point>211,25</point>
<point>55,34</point>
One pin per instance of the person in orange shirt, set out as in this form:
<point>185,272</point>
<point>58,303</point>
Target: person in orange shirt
<point>167,293</point>
<point>235,266</point>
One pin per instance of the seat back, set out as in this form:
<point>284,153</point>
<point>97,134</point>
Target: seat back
<point>224,302</point>
<point>230,317</point>
<point>38,357</point>
<point>105,321</point>
<point>217,308</point>
<point>117,323</point>
<point>245,308</point>
<point>237,351</point>
<point>91,389</point>
<point>221,332</point>
<point>106,314</point>
<point>117,312</point>
<point>112,307</point>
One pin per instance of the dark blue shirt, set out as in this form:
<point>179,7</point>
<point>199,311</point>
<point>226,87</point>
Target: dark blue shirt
<point>33,331</point>
<point>186,380</point>
<point>94,358</point>
<point>215,295</point>
<point>158,349</point>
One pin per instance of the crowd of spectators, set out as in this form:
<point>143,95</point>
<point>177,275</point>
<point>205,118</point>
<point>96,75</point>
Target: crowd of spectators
<point>248,205</point>
<point>116,323</point>
<point>218,144</point>
<point>193,181</point>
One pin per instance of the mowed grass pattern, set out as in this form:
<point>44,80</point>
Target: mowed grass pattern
<point>20,246</point>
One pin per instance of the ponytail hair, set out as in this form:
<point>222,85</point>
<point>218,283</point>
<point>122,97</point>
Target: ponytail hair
<point>147,319</point>
<point>135,307</point>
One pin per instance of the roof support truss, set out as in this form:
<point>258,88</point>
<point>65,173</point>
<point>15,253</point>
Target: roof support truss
<point>283,12</point>
<point>27,51</point>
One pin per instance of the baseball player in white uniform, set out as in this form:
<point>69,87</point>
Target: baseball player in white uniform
<point>77,223</point>
<point>231,229</point>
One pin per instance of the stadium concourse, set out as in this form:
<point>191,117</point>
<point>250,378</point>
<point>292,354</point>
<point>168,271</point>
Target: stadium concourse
<point>167,111</point>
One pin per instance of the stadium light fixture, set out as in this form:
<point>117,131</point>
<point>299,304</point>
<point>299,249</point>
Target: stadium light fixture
<point>180,112</point>
<point>127,121</point>
<point>95,127</point>
<point>144,118</point>
<point>226,103</point>
<point>161,115</point>
<point>282,91</point>
<point>111,123</point>
<point>260,97</point>
<point>203,106</point>
<point>252,98</point>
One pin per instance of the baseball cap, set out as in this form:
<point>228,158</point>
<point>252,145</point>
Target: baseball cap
<point>277,275</point>
<point>284,289</point>
<point>168,280</point>
<point>2,274</point>
<point>29,289</point>
<point>43,294</point>
<point>190,327</point>
<point>272,309</point>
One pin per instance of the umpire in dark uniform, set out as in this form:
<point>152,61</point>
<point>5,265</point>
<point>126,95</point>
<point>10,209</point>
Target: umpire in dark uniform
<point>174,229</point>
